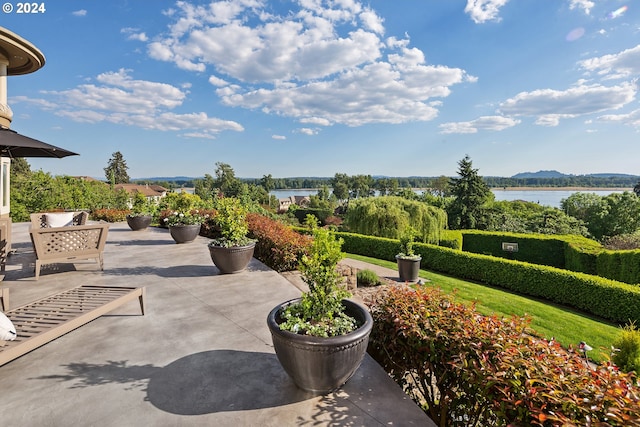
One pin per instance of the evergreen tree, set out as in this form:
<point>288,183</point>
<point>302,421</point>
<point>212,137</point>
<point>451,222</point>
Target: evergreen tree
<point>470,194</point>
<point>20,166</point>
<point>116,170</point>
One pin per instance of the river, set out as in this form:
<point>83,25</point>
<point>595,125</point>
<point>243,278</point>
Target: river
<point>544,197</point>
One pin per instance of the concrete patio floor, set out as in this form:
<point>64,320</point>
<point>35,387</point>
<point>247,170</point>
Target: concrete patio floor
<point>201,355</point>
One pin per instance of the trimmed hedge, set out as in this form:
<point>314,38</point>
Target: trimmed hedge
<point>451,239</point>
<point>533,248</point>
<point>574,253</point>
<point>605,298</point>
<point>619,265</point>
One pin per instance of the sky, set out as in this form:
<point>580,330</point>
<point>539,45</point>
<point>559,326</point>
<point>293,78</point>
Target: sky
<point>319,87</point>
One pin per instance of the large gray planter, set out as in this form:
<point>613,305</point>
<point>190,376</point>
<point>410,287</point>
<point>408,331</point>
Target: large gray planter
<point>318,364</point>
<point>408,268</point>
<point>139,222</point>
<point>184,233</point>
<point>233,259</point>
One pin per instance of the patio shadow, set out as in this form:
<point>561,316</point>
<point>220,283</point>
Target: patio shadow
<point>197,384</point>
<point>222,380</point>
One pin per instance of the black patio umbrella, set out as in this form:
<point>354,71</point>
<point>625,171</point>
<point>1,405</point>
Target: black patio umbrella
<point>12,144</point>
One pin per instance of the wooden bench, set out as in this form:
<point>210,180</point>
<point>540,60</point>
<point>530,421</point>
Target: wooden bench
<point>69,243</point>
<point>44,320</point>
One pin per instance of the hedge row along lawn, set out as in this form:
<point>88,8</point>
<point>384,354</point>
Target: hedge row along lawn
<point>567,326</point>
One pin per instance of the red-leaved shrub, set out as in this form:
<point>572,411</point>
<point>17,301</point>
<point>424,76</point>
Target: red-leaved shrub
<point>278,246</point>
<point>467,369</point>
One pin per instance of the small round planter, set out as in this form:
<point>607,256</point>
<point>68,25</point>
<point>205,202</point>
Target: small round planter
<point>408,268</point>
<point>318,364</point>
<point>184,233</point>
<point>233,259</point>
<point>139,222</point>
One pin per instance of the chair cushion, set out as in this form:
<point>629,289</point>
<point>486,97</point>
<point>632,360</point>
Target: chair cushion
<point>59,219</point>
<point>7,330</point>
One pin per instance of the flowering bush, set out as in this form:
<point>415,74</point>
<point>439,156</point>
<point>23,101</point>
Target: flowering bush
<point>278,245</point>
<point>464,368</point>
<point>177,218</point>
<point>110,215</point>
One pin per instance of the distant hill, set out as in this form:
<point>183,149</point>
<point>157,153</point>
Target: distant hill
<point>556,174</point>
<point>540,174</point>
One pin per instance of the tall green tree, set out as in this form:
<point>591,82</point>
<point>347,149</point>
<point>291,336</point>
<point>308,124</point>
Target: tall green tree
<point>440,186</point>
<point>226,180</point>
<point>340,184</point>
<point>267,182</point>
<point>116,170</point>
<point>470,194</point>
<point>20,166</point>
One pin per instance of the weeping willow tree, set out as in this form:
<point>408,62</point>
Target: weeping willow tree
<point>389,216</point>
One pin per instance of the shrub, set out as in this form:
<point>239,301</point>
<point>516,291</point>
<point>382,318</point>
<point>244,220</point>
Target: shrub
<point>110,215</point>
<point>627,349</point>
<point>466,369</point>
<point>388,216</point>
<point>367,278</point>
<point>623,242</point>
<point>278,246</point>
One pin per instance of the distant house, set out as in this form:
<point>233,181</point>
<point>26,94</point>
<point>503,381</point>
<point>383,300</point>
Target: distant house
<point>302,201</point>
<point>153,192</point>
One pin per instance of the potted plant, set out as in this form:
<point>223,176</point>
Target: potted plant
<point>408,261</point>
<point>321,338</point>
<point>142,211</point>
<point>233,250</point>
<point>184,226</point>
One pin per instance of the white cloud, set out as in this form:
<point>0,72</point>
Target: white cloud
<point>585,5</point>
<point>631,119</point>
<point>618,65</point>
<point>118,98</point>
<point>134,34</point>
<point>216,81</point>
<point>491,123</point>
<point>80,12</point>
<point>372,21</point>
<point>549,106</point>
<point>308,131</point>
<point>324,63</point>
<point>280,137</point>
<point>482,11</point>
<point>316,121</point>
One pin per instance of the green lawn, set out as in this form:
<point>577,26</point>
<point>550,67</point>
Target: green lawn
<point>567,326</point>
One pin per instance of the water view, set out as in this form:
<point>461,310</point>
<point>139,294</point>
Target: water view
<point>544,197</point>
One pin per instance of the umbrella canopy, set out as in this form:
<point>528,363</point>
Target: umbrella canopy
<point>12,144</point>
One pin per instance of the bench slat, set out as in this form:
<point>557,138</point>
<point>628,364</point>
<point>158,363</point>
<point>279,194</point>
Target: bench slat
<point>42,321</point>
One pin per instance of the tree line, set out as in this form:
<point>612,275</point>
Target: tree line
<point>467,198</point>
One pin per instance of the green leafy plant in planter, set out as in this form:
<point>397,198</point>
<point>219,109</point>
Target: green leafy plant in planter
<point>231,221</point>
<point>142,205</point>
<point>320,311</point>
<point>321,338</point>
<point>408,261</point>
<point>233,251</point>
<point>142,212</point>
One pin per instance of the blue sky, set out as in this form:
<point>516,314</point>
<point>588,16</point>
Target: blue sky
<point>318,87</point>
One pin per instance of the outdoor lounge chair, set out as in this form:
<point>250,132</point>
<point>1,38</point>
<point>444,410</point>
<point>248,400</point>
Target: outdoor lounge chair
<point>67,243</point>
<point>42,321</point>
